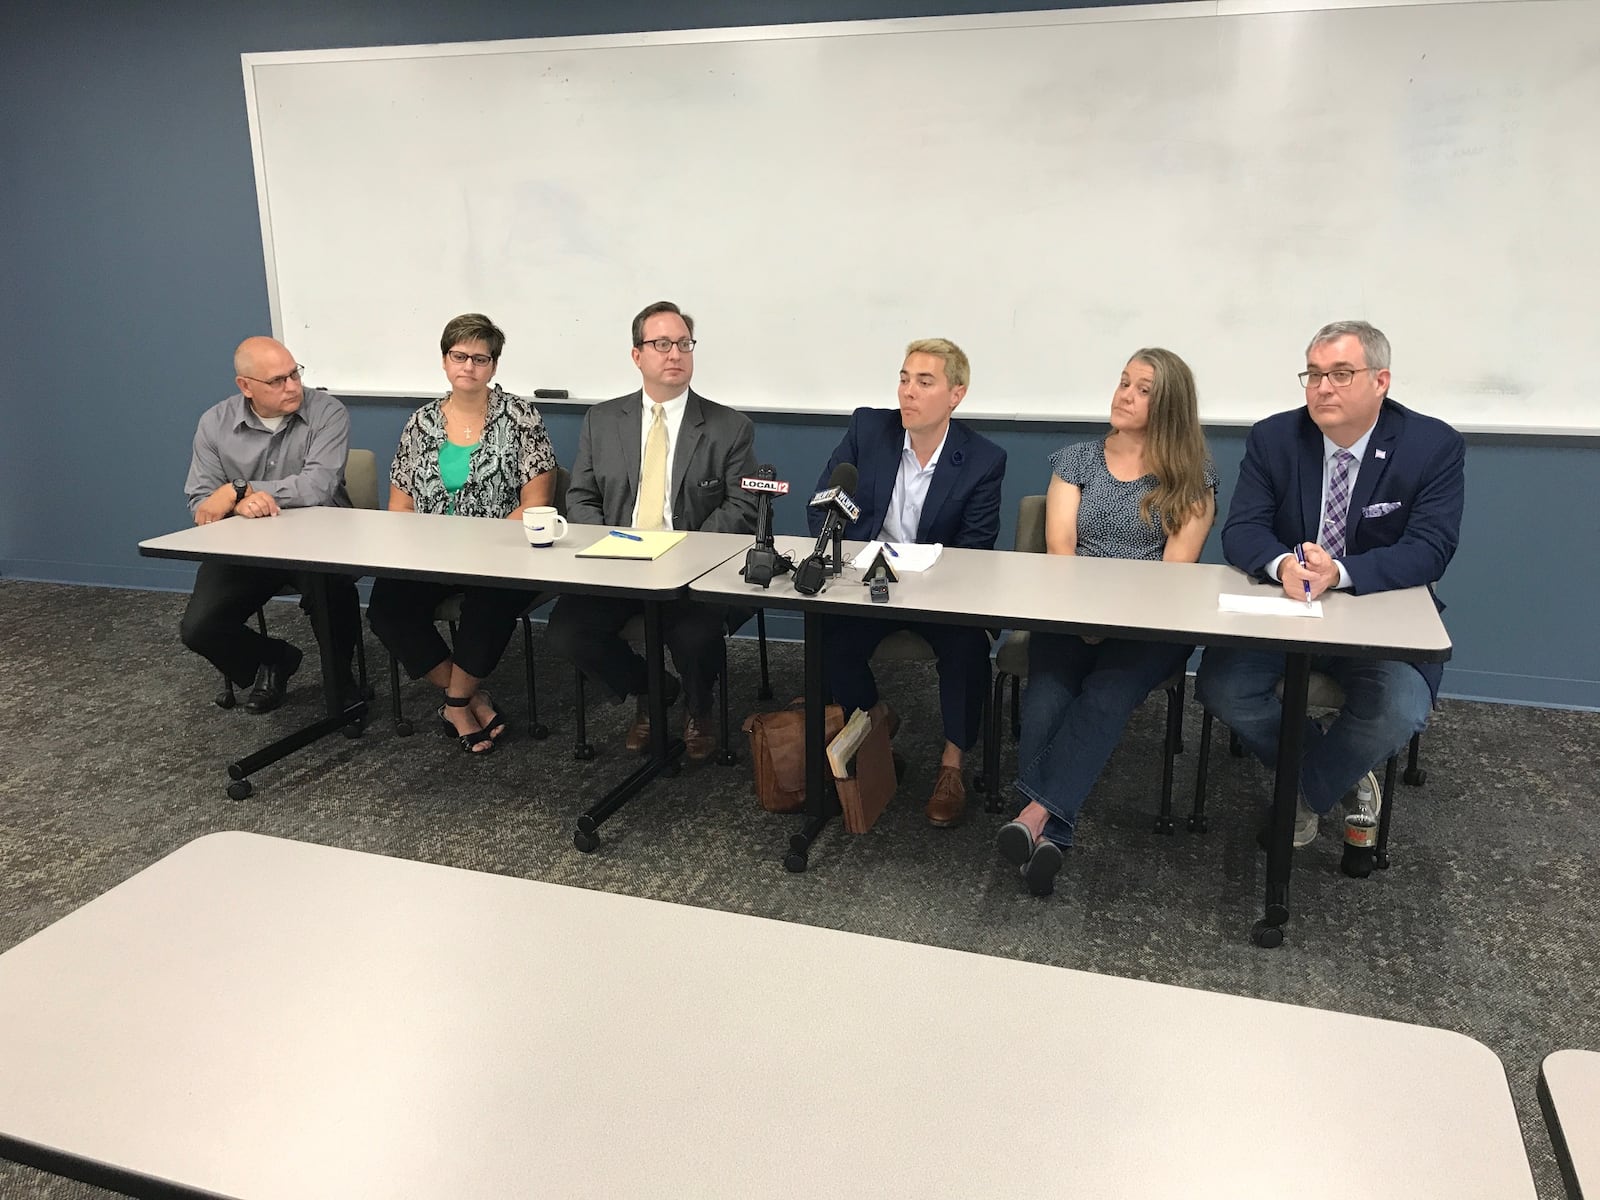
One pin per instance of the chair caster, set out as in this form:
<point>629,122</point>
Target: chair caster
<point>240,789</point>
<point>403,729</point>
<point>995,804</point>
<point>1197,824</point>
<point>1381,862</point>
<point>587,843</point>
<point>1268,937</point>
<point>583,752</point>
<point>726,758</point>
<point>539,731</point>
<point>354,729</point>
<point>1164,825</point>
<point>1415,777</point>
<point>979,783</point>
<point>794,862</point>
<point>228,700</point>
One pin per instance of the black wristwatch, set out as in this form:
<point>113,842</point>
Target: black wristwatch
<point>240,487</point>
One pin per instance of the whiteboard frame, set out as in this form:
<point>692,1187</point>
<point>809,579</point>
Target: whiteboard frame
<point>1172,10</point>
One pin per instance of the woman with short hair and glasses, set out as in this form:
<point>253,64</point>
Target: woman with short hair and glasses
<point>1146,491</point>
<point>478,451</point>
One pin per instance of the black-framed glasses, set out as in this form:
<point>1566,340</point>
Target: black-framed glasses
<point>662,345</point>
<point>1339,378</point>
<point>461,356</point>
<point>277,381</point>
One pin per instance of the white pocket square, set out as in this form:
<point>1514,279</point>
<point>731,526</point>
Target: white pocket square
<point>1381,510</point>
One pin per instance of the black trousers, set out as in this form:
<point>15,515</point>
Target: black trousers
<point>400,612</point>
<point>963,657</point>
<point>585,631</point>
<point>216,623</point>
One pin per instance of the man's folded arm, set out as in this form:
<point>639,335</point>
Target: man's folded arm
<point>318,481</point>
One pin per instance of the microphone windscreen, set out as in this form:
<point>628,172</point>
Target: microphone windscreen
<point>845,476</point>
<point>766,471</point>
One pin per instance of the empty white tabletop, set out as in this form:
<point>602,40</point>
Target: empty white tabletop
<point>260,1018</point>
<point>1571,1086</point>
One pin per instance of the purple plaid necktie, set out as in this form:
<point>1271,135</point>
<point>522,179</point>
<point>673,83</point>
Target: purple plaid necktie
<point>1331,538</point>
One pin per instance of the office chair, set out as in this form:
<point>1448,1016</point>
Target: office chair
<point>1011,667</point>
<point>361,484</point>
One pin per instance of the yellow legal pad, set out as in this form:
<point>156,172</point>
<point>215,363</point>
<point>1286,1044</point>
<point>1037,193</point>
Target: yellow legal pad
<point>650,544</point>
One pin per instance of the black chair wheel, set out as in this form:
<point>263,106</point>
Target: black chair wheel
<point>726,758</point>
<point>1197,824</point>
<point>583,753</point>
<point>228,700</point>
<point>1416,777</point>
<point>995,804</point>
<point>1164,825</point>
<point>979,783</point>
<point>794,862</point>
<point>1268,937</point>
<point>539,732</point>
<point>1382,862</point>
<point>403,728</point>
<point>586,842</point>
<point>354,729</point>
<point>240,789</point>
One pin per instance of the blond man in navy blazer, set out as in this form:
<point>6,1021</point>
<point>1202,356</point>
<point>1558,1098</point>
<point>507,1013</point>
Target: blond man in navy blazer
<point>922,477</point>
<point>1404,479</point>
<point>710,448</point>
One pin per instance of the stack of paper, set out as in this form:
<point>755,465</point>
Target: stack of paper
<point>843,747</point>
<point>633,544</point>
<point>1268,606</point>
<point>902,556</point>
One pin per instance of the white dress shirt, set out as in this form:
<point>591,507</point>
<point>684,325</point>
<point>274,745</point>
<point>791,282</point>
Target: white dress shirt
<point>672,418</point>
<point>910,491</point>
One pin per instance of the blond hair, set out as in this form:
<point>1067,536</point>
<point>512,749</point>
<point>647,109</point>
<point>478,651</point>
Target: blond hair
<point>957,370</point>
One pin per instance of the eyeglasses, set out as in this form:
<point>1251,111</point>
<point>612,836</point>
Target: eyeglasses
<point>461,356</point>
<point>1339,378</point>
<point>662,345</point>
<point>277,381</point>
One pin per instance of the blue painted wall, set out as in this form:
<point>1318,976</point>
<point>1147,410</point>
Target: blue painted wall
<point>131,255</point>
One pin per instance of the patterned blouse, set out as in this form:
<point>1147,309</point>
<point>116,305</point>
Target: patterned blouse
<point>1109,524</point>
<point>514,449</point>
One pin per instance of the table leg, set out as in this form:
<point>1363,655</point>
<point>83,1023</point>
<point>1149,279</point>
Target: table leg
<point>821,803</point>
<point>1268,931</point>
<point>339,715</point>
<point>664,748</point>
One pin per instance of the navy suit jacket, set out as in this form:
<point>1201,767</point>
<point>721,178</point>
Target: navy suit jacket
<point>963,503</point>
<point>1405,512</point>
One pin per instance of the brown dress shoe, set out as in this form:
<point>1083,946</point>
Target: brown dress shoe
<point>699,743</point>
<point>948,804</point>
<point>639,732</point>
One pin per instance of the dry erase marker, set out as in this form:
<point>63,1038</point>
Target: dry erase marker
<point>632,537</point>
<point>1300,557</point>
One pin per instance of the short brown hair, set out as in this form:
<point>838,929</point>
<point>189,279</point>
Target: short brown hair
<point>472,327</point>
<point>650,310</point>
<point>957,370</point>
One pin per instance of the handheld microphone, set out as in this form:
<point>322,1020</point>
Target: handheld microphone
<point>810,574</point>
<point>762,561</point>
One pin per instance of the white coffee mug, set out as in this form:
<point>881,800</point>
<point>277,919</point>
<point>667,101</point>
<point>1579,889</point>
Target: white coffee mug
<point>543,525</point>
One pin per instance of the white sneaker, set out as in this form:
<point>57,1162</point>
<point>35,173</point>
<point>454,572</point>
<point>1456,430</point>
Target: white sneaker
<point>1305,823</point>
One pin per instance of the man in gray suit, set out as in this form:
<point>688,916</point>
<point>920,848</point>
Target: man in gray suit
<point>663,457</point>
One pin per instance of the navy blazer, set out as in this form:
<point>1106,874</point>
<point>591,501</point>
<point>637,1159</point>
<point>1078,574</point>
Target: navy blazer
<point>1405,513</point>
<point>963,502</point>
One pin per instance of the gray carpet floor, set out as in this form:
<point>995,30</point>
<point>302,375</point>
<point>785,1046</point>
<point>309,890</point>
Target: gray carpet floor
<point>113,756</point>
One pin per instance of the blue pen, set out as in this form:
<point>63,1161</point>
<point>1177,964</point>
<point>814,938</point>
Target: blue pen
<point>632,537</point>
<point>1300,557</point>
<point>893,553</point>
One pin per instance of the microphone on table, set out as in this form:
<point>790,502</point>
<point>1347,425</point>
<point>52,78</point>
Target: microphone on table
<point>810,575</point>
<point>762,561</point>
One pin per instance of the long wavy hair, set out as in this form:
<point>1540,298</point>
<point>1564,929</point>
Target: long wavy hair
<point>1175,449</point>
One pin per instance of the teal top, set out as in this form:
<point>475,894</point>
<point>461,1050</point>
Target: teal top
<point>455,465</point>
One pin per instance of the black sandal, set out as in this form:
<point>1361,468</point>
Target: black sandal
<point>496,724</point>
<point>468,742</point>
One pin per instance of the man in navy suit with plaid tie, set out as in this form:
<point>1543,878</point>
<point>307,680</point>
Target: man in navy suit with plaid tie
<point>1371,494</point>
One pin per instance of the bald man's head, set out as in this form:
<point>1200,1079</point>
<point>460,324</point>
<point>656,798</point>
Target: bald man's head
<point>267,376</point>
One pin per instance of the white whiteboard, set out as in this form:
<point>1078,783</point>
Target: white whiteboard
<point>1050,190</point>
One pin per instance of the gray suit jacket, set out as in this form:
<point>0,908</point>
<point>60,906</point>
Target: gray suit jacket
<point>716,446</point>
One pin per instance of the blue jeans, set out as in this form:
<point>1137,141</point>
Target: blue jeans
<point>1078,701</point>
<point>1384,704</point>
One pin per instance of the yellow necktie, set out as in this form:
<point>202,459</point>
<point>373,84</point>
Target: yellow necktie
<point>653,475</point>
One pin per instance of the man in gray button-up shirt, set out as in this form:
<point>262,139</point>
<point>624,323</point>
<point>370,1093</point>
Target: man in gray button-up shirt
<point>272,445</point>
